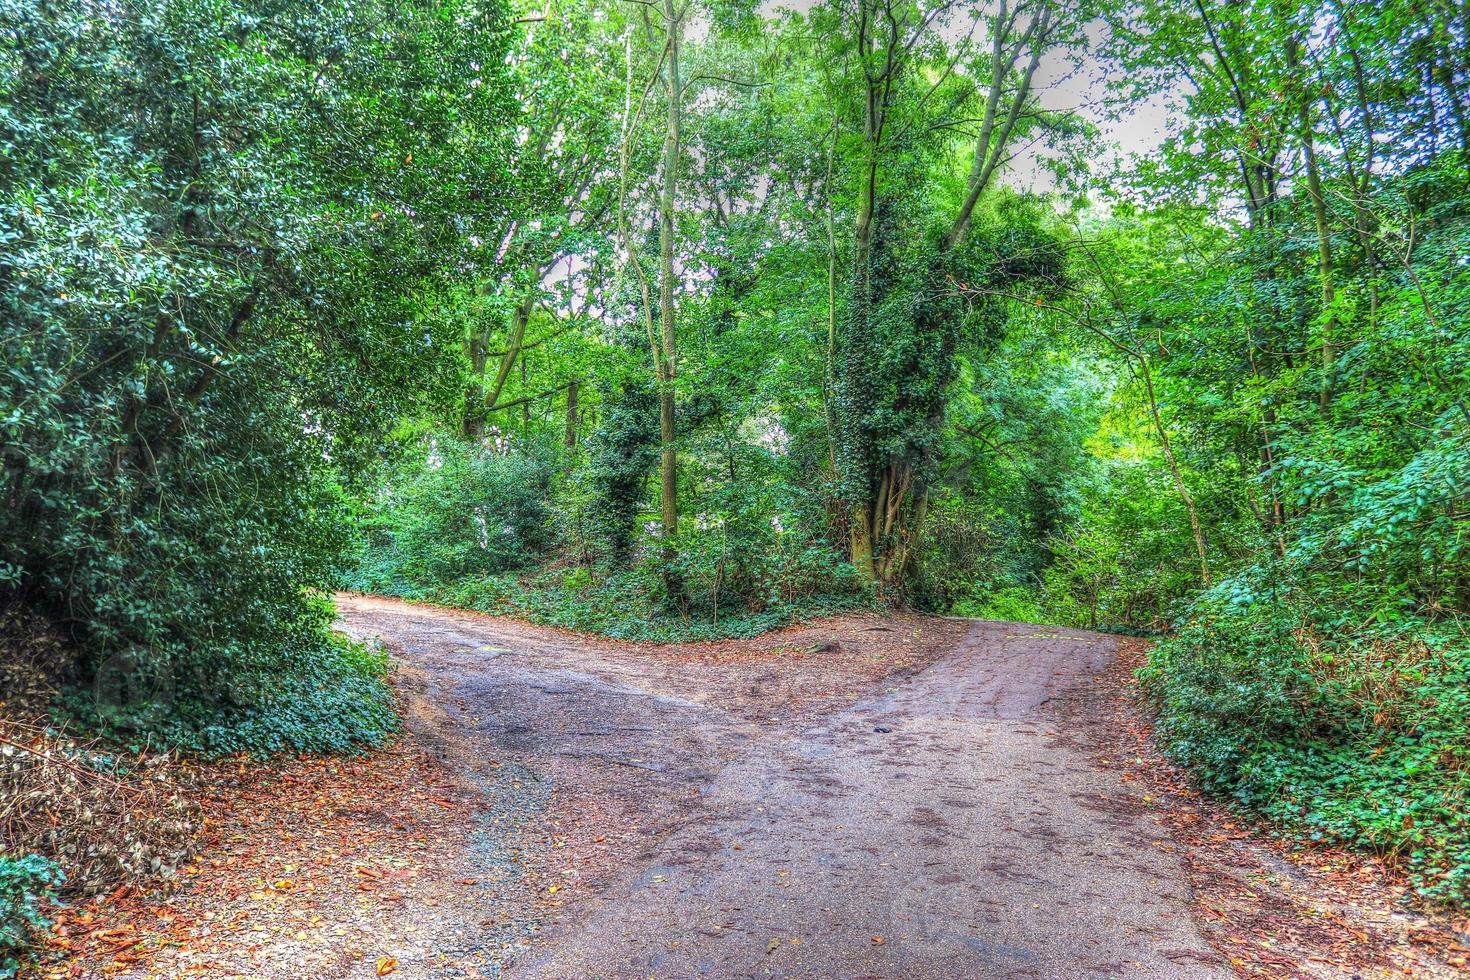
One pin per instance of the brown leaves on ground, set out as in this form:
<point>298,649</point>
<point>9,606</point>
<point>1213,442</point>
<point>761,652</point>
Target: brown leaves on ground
<point>106,816</point>
<point>305,868</point>
<point>1278,911</point>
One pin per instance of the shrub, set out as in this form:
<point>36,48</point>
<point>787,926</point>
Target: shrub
<point>460,510</point>
<point>196,356</point>
<point>1355,736</point>
<point>1015,604</point>
<point>750,548</point>
<point>27,883</point>
<point>465,527</point>
<point>632,605</point>
<point>316,693</point>
<point>966,551</point>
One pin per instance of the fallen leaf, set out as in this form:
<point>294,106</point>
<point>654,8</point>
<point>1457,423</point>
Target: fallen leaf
<point>386,965</point>
<point>878,940</point>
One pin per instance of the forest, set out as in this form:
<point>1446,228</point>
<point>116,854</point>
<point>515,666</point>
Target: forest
<point>674,320</point>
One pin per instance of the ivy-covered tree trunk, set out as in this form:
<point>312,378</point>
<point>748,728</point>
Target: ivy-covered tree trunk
<point>855,449</point>
<point>904,315</point>
<point>853,384</point>
<point>569,439</point>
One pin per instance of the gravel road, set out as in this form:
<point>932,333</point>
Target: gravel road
<point>948,820</point>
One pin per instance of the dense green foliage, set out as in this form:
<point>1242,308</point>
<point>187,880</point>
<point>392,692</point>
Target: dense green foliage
<point>220,223</point>
<point>464,511</point>
<point>1216,391</point>
<point>1314,356</point>
<point>632,605</point>
<point>1357,735</point>
<point>474,526</point>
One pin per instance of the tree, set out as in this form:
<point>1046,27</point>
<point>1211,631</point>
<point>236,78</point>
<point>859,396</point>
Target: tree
<point>665,352</point>
<point>556,195</point>
<point>211,293</point>
<point>912,103</point>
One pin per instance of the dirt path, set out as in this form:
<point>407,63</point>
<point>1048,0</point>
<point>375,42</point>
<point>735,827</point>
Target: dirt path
<point>923,806</point>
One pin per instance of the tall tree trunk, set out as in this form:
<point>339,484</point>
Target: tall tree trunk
<point>829,366</point>
<point>995,133</point>
<point>861,518</point>
<point>526,405</point>
<point>1325,268</point>
<point>861,514</point>
<point>472,425</point>
<point>881,487</point>
<point>1274,521</point>
<point>484,402</point>
<point>668,463</point>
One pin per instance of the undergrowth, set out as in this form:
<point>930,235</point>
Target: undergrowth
<point>27,884</point>
<point>1352,737</point>
<point>319,694</point>
<point>625,606</point>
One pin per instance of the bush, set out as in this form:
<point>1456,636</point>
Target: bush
<point>633,605</point>
<point>1359,737</point>
<point>623,450</point>
<point>1328,687</point>
<point>467,528</point>
<point>750,548</point>
<point>317,692</point>
<point>967,550</point>
<point>1015,604</point>
<point>458,511</point>
<point>196,356</point>
<point>26,884</point>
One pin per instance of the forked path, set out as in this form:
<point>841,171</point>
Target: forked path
<point>953,823</point>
